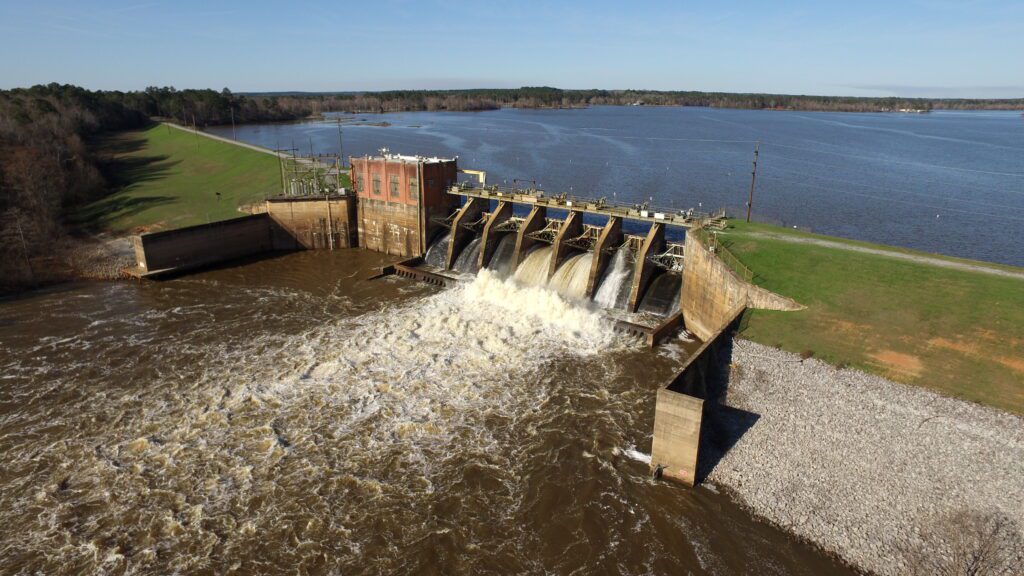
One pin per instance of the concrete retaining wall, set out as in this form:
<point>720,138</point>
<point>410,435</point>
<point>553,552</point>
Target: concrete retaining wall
<point>711,291</point>
<point>184,249</point>
<point>313,223</point>
<point>679,411</point>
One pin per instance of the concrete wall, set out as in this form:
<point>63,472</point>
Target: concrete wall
<point>645,270</point>
<point>677,423</point>
<point>389,227</point>
<point>470,212</point>
<point>711,291</point>
<point>611,237</point>
<point>197,246</point>
<point>571,228</point>
<point>309,223</point>
<point>534,221</point>
<point>489,240</point>
<point>679,410</point>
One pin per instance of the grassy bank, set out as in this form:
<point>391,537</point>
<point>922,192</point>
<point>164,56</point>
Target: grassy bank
<point>958,332</point>
<point>166,178</point>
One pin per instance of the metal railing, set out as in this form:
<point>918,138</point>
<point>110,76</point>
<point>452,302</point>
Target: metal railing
<point>689,218</point>
<point>711,242</point>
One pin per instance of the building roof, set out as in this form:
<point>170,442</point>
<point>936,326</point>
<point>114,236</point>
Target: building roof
<point>386,154</point>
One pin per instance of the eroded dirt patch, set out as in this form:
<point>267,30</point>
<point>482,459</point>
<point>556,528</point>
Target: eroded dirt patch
<point>901,366</point>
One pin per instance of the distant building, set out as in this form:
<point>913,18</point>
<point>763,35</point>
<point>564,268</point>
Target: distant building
<point>399,199</point>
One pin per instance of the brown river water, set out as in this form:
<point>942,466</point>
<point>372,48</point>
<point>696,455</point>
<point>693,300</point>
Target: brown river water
<point>289,416</point>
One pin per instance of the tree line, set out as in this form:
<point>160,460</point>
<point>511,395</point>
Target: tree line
<point>47,165</point>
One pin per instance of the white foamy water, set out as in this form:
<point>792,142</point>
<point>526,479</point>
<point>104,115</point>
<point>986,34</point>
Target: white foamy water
<point>572,276</point>
<point>616,276</point>
<point>468,260</point>
<point>533,270</point>
<point>569,280</point>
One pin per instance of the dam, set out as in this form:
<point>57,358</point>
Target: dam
<point>651,273</point>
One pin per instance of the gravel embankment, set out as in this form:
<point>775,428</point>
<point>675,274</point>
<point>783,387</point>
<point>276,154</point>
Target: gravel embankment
<point>101,258</point>
<point>860,465</point>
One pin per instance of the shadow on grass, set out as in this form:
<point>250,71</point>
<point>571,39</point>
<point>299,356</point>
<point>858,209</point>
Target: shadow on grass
<point>122,172</point>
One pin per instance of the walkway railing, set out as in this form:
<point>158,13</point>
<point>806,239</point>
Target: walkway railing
<point>688,218</point>
<point>710,240</point>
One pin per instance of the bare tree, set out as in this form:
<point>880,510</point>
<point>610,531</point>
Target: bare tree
<point>968,544</point>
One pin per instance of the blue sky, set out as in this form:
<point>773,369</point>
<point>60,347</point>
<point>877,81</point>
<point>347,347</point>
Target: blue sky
<point>943,48</point>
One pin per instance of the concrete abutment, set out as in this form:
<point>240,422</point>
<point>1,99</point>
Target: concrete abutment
<point>488,242</point>
<point>570,228</point>
<point>461,234</point>
<point>610,238</point>
<point>535,220</point>
<point>645,269</point>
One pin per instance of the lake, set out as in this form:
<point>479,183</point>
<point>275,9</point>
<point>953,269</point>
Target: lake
<point>946,182</point>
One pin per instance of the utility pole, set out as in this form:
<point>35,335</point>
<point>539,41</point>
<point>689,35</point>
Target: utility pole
<point>233,136</point>
<point>280,168</point>
<point>753,178</point>
<point>195,131</point>
<point>341,153</point>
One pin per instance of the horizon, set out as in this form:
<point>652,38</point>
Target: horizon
<point>918,49</point>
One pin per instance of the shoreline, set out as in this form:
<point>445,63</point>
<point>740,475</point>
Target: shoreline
<point>835,458</point>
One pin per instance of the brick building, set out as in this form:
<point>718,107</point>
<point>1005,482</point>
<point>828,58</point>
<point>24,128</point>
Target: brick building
<point>398,196</point>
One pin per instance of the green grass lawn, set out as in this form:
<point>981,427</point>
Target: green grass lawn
<point>166,178</point>
<point>960,333</point>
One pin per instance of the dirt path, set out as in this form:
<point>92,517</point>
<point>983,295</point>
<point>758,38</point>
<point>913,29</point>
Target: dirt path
<point>928,260</point>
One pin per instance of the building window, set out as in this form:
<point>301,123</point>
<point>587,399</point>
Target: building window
<point>394,186</point>
<point>376,185</point>
<point>414,190</point>
<point>360,185</point>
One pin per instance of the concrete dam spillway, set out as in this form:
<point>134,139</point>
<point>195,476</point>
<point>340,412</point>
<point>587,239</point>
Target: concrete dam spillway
<point>570,278</point>
<point>571,290</point>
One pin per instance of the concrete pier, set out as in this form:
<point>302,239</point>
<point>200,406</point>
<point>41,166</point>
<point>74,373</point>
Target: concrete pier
<point>461,236</point>
<point>611,236</point>
<point>488,241</point>
<point>571,228</point>
<point>645,270</point>
<point>535,220</point>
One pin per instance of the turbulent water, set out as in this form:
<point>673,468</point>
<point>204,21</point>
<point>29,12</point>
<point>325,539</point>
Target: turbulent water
<point>613,291</point>
<point>533,270</point>
<point>501,260</point>
<point>437,252</point>
<point>469,259</point>
<point>288,416</point>
<point>662,296</point>
<point>570,279</point>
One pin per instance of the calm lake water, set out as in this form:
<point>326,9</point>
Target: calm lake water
<point>945,182</point>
